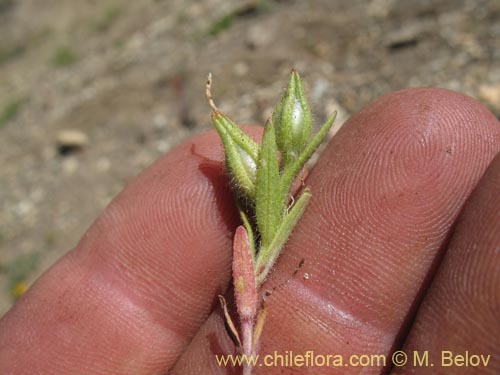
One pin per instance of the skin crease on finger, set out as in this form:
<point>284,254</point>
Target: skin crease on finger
<point>386,193</point>
<point>460,313</point>
<point>140,282</point>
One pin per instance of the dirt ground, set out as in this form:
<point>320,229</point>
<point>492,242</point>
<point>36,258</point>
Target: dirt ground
<point>92,92</point>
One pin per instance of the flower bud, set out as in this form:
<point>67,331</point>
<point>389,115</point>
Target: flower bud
<point>242,154</point>
<point>245,288</point>
<point>292,119</point>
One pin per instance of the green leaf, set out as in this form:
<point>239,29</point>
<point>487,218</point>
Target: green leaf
<point>268,207</point>
<point>268,255</point>
<point>290,172</point>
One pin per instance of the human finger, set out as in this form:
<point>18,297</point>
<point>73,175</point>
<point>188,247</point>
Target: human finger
<point>386,193</point>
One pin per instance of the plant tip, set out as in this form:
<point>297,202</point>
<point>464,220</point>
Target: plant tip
<point>262,177</point>
<point>208,93</point>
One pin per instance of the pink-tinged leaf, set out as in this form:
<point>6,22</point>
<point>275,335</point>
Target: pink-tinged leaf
<point>244,276</point>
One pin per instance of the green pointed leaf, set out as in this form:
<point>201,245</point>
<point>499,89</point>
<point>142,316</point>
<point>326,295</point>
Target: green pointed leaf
<point>268,255</point>
<point>268,207</point>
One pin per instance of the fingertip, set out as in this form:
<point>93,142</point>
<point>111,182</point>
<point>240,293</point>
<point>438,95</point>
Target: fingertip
<point>386,192</point>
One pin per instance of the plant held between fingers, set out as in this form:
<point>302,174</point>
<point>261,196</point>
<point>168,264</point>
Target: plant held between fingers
<point>261,178</point>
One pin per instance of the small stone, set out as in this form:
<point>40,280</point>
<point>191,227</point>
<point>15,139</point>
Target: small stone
<point>380,8</point>
<point>240,68</point>
<point>23,208</point>
<point>70,165</point>
<point>404,37</point>
<point>306,276</point>
<point>162,146</point>
<point>491,95</point>
<point>159,121</point>
<point>257,37</point>
<point>103,164</point>
<point>70,140</point>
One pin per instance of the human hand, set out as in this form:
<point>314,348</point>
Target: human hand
<point>383,237</point>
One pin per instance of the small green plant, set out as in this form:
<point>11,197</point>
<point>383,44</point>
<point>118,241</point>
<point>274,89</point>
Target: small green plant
<point>10,111</point>
<point>262,177</point>
<point>64,57</point>
<point>246,9</point>
<point>221,24</point>
<point>107,19</point>
<point>11,53</point>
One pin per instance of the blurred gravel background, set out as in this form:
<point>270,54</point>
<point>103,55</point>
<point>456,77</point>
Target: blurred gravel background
<point>92,92</point>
